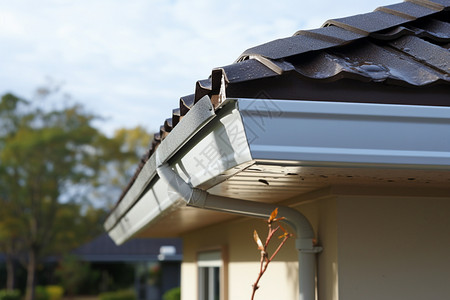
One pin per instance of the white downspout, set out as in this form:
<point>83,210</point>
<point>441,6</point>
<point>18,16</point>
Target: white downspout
<point>304,232</point>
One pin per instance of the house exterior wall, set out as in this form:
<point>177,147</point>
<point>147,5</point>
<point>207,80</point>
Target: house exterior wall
<point>235,239</point>
<point>241,256</point>
<point>375,247</point>
<point>394,247</point>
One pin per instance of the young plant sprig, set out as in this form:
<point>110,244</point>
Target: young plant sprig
<point>265,258</point>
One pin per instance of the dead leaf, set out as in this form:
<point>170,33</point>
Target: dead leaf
<point>273,215</point>
<point>285,233</point>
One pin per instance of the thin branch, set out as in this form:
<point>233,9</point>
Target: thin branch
<point>265,259</point>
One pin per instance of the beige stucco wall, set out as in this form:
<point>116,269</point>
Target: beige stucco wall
<point>236,238</point>
<point>380,247</point>
<point>394,248</point>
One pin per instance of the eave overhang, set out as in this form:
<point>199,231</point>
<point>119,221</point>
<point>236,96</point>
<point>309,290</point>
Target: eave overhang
<point>272,150</point>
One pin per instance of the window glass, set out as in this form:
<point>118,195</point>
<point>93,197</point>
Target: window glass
<point>209,266</point>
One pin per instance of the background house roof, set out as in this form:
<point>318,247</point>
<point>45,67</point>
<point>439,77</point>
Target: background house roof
<point>104,249</point>
<point>398,54</point>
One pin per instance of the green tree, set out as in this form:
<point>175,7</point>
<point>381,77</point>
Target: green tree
<point>10,241</point>
<point>43,154</point>
<point>53,165</point>
<point>121,155</point>
<point>11,227</point>
<point>73,273</point>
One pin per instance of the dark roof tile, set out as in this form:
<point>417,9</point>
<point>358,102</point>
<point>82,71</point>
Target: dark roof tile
<point>434,4</point>
<point>332,33</point>
<point>175,116</point>
<point>168,125</point>
<point>424,52</point>
<point>186,104</point>
<point>380,64</point>
<point>436,28</point>
<point>290,46</point>
<point>202,88</point>
<point>368,23</point>
<point>408,10</point>
<point>247,70</point>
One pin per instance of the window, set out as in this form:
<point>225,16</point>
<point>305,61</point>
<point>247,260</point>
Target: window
<point>209,271</point>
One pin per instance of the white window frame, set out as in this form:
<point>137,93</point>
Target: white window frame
<point>210,275</point>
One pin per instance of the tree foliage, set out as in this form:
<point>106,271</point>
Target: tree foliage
<point>123,151</point>
<point>51,163</point>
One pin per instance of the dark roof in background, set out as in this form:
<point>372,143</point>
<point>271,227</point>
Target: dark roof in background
<point>104,249</point>
<point>398,54</point>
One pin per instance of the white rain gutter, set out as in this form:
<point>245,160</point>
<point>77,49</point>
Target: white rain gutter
<point>304,233</point>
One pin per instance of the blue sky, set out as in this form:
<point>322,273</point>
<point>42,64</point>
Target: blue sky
<point>131,61</point>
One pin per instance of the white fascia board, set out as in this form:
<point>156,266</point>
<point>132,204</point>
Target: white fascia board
<point>347,133</point>
<point>209,151</point>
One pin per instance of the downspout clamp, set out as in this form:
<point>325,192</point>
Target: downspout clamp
<point>304,233</point>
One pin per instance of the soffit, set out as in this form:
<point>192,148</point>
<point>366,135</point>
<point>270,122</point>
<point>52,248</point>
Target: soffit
<point>270,181</point>
<point>287,183</point>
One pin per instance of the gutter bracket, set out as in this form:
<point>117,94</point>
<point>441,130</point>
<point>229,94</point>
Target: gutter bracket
<point>198,198</point>
<point>307,245</point>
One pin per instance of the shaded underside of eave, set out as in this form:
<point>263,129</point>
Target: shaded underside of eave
<point>291,183</point>
<point>288,87</point>
<point>266,181</point>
